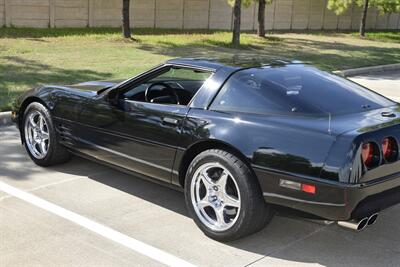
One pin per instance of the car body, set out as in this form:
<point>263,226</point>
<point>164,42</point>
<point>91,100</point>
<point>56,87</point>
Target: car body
<point>310,161</point>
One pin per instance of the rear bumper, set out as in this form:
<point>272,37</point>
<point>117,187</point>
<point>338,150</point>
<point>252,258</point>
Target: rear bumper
<point>332,200</point>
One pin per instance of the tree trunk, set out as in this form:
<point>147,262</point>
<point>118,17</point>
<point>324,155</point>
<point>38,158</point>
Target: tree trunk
<point>126,30</point>
<point>236,23</point>
<point>364,18</point>
<point>261,18</point>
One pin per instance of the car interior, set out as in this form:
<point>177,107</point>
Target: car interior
<point>175,86</point>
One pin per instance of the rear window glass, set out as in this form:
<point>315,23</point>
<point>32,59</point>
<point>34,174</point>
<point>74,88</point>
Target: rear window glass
<point>295,89</point>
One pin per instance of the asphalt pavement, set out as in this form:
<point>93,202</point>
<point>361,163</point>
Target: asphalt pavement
<point>85,214</point>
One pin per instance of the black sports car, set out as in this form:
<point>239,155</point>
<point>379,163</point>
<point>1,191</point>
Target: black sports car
<point>238,139</point>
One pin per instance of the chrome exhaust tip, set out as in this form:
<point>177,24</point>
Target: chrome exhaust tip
<point>372,219</point>
<point>355,225</point>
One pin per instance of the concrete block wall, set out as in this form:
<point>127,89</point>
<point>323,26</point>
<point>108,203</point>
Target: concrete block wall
<point>249,17</point>
<point>186,14</point>
<point>381,21</point>
<point>220,15</point>
<point>356,17</point>
<point>70,13</point>
<point>269,16</point>
<point>316,15</point>
<point>283,14</point>
<point>330,20</point>
<point>393,21</point>
<point>345,21</point>
<point>196,14</point>
<point>371,19</point>
<point>169,14</point>
<point>2,13</point>
<point>300,14</point>
<point>107,13</point>
<point>142,13</point>
<point>27,13</point>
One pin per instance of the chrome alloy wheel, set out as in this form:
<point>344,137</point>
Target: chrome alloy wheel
<point>215,196</point>
<point>37,135</point>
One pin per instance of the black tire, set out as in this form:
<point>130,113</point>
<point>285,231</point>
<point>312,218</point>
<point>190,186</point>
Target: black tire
<point>56,153</point>
<point>254,213</point>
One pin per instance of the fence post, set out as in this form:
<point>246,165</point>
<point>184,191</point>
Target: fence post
<point>398,21</point>
<point>273,17</point>
<point>309,15</point>
<point>291,16</point>
<point>155,14</point>
<point>90,13</point>
<point>183,14</point>
<point>7,11</point>
<point>52,13</point>
<point>209,14</point>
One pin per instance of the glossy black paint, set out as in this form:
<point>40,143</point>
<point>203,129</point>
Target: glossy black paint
<point>157,140</point>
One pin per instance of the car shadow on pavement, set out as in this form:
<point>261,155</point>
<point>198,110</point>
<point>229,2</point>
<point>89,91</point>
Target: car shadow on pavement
<point>287,237</point>
<point>285,240</point>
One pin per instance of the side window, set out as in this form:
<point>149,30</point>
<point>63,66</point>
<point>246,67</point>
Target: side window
<point>172,86</point>
<point>296,90</point>
<point>248,93</point>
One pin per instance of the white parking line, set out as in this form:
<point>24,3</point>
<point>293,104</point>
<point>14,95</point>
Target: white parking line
<point>129,242</point>
<point>45,185</point>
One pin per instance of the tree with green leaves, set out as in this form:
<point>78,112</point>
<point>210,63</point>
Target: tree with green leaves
<point>384,6</point>
<point>126,28</point>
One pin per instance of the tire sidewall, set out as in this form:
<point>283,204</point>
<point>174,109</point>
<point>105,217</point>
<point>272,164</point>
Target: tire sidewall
<point>241,179</point>
<point>35,106</point>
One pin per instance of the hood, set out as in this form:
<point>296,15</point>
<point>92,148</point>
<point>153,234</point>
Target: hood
<point>95,85</point>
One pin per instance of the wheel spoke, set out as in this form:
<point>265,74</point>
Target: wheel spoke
<point>231,201</point>
<point>45,136</point>
<point>35,149</point>
<point>222,180</point>
<point>43,147</point>
<point>219,213</point>
<point>203,203</point>
<point>41,123</point>
<point>206,180</point>
<point>32,122</point>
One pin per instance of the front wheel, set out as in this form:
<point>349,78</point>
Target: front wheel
<point>224,197</point>
<point>40,137</point>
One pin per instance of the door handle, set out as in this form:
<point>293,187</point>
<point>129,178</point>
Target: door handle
<point>171,121</point>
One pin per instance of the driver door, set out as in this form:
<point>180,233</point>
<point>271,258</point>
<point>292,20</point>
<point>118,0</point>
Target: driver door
<point>136,134</point>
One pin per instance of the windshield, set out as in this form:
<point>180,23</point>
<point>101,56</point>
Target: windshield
<point>294,89</point>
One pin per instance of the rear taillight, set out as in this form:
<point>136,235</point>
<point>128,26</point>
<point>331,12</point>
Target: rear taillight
<point>370,154</point>
<point>389,149</point>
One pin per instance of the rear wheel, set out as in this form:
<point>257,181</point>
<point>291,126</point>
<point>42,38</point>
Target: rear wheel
<point>40,138</point>
<point>224,197</point>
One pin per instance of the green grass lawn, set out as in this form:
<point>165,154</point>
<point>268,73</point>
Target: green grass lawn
<point>29,57</point>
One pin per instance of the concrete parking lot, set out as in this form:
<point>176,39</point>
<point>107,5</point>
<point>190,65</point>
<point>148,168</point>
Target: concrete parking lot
<point>54,215</point>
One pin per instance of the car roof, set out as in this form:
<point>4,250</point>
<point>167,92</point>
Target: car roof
<point>235,62</point>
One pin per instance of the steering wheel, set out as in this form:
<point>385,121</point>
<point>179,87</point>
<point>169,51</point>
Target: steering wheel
<point>166,87</point>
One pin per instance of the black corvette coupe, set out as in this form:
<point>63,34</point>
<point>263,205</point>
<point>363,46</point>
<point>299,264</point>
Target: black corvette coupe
<point>238,139</point>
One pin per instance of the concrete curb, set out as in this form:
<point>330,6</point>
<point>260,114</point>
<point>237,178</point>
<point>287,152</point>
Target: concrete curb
<point>368,70</point>
<point>5,118</point>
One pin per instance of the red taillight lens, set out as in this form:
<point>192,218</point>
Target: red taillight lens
<point>368,154</point>
<point>389,149</point>
<point>308,188</point>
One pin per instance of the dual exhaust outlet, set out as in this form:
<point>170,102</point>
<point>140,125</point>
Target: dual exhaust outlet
<point>359,225</point>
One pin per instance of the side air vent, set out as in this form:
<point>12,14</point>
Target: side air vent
<point>65,134</point>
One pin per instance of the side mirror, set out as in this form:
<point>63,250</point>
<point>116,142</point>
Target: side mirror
<point>112,96</point>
